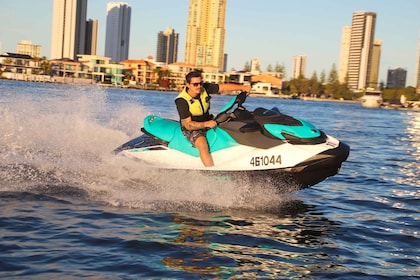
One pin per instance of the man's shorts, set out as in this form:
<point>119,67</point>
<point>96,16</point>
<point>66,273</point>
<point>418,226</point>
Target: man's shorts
<point>192,135</point>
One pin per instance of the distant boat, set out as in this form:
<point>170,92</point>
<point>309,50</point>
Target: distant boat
<point>372,98</point>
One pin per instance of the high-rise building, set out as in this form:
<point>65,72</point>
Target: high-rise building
<point>26,47</point>
<point>205,36</point>
<point>374,65</point>
<point>91,40</point>
<point>117,37</point>
<point>417,78</point>
<point>255,66</point>
<point>344,54</point>
<point>396,78</point>
<point>299,66</point>
<point>361,52</point>
<point>167,46</point>
<point>68,28</point>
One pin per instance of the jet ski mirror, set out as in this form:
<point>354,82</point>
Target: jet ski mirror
<point>240,98</point>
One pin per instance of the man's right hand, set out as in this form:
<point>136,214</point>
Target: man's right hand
<point>210,124</point>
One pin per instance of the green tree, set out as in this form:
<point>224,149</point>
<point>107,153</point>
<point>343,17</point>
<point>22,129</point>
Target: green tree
<point>333,85</point>
<point>45,66</point>
<point>395,93</point>
<point>280,69</point>
<point>315,86</point>
<point>128,75</point>
<point>247,66</point>
<point>410,93</point>
<point>299,86</point>
<point>6,64</point>
<point>322,77</point>
<point>162,77</point>
<point>391,93</point>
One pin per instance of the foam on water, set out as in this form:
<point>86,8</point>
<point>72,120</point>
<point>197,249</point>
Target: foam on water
<point>62,139</point>
<point>66,199</point>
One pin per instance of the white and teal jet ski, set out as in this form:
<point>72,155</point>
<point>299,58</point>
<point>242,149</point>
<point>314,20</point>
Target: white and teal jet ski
<point>262,144</point>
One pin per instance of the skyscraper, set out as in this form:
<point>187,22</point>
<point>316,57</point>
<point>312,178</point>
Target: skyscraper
<point>68,28</point>
<point>396,78</point>
<point>167,46</point>
<point>344,54</point>
<point>255,66</point>
<point>205,39</point>
<point>360,52</point>
<point>417,77</point>
<point>299,66</point>
<point>91,40</point>
<point>374,65</point>
<point>117,38</point>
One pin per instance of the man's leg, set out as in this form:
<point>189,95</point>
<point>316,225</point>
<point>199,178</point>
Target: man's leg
<point>203,147</point>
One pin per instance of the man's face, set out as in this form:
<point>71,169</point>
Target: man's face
<point>194,87</point>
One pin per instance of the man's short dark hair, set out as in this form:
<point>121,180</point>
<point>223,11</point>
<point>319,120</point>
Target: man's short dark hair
<point>193,74</point>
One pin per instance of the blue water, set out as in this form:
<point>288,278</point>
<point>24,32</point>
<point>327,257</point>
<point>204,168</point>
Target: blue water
<point>70,209</point>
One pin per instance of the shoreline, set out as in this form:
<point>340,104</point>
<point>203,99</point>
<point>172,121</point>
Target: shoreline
<point>412,105</point>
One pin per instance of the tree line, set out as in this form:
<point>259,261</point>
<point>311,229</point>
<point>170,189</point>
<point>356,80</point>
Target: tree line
<point>328,86</point>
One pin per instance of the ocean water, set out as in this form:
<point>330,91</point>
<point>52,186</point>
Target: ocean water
<point>70,209</point>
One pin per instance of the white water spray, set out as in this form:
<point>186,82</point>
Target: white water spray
<point>62,137</point>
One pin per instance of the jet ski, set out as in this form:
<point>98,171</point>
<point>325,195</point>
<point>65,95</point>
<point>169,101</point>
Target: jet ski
<point>262,145</point>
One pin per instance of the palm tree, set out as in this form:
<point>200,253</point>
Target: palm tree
<point>128,74</point>
<point>45,66</point>
<point>158,72</point>
<point>163,77</point>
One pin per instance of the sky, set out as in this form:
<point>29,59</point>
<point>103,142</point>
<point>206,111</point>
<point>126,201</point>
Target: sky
<point>272,31</point>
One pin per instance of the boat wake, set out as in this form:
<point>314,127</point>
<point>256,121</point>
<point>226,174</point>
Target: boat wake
<point>59,144</point>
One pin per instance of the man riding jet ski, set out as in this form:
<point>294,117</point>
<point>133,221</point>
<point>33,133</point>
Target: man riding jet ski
<point>193,106</point>
<point>262,145</point>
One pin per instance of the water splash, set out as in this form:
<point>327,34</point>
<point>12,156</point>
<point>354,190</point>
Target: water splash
<point>61,137</point>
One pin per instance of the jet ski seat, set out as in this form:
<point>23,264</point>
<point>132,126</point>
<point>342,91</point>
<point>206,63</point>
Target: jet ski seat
<point>241,114</point>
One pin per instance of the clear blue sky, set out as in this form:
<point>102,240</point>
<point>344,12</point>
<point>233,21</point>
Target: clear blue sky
<point>271,30</point>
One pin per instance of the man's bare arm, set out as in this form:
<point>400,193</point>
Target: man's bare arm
<point>233,87</point>
<point>189,124</point>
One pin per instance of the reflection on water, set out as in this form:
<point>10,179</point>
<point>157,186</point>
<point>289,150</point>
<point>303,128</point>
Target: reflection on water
<point>71,210</point>
<point>265,245</point>
<point>412,168</point>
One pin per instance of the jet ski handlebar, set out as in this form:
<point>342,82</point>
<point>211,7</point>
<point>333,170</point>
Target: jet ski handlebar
<point>223,114</point>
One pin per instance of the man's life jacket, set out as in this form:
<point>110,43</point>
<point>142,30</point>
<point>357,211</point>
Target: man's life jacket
<point>197,106</point>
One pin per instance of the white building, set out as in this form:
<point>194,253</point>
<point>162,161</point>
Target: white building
<point>117,37</point>
<point>299,66</point>
<point>68,28</point>
<point>344,54</point>
<point>262,88</point>
<point>360,64</point>
<point>417,77</point>
<point>26,47</point>
<point>205,36</point>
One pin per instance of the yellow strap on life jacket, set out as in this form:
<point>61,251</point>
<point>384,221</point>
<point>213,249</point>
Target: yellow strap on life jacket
<point>197,106</point>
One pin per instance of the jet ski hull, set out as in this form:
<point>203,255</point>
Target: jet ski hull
<point>305,173</point>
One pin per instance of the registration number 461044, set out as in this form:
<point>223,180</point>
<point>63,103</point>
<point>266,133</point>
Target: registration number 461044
<point>265,160</point>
